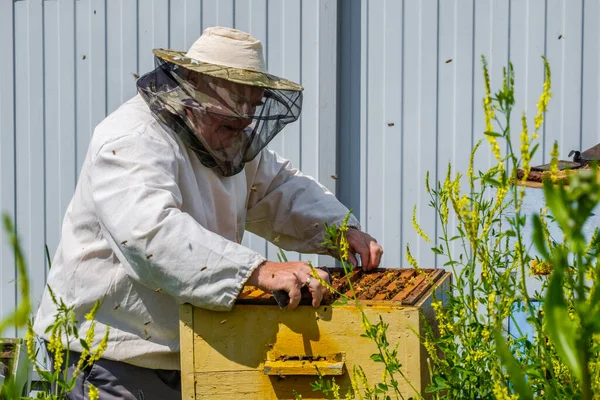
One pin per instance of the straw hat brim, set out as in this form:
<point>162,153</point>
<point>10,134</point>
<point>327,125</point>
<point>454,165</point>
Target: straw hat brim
<point>241,76</point>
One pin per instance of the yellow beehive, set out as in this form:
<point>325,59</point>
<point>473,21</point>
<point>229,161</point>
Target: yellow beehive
<point>258,351</point>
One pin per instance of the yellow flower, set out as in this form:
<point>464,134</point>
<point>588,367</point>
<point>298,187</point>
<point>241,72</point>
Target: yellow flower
<point>416,225</point>
<point>92,314</point>
<point>446,191</point>
<point>93,392</point>
<point>538,267</point>
<point>470,173</point>
<point>411,260</point>
<point>485,334</point>
<point>542,105</point>
<point>488,108</point>
<point>554,162</point>
<point>95,356</point>
<point>30,342</point>
<point>501,392</point>
<point>525,155</point>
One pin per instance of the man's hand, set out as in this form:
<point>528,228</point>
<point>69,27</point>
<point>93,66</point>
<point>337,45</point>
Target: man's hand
<point>362,243</point>
<point>291,277</point>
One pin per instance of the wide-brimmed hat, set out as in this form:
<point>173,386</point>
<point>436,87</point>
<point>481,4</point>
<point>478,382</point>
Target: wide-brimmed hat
<point>228,54</point>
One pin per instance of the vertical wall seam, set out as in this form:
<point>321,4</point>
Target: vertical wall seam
<point>105,21</point>
<point>75,110</point>
<point>44,133</point>
<point>14,126</point>
<point>137,36</point>
<point>437,116</point>
<point>402,109</point>
<point>562,78</point>
<point>473,57</point>
<point>543,139</point>
<point>301,77</point>
<point>169,23</point>
<point>581,76</point>
<point>367,90</point>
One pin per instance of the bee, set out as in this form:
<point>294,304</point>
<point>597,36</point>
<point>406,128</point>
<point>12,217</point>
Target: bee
<point>116,307</point>
<point>84,57</point>
<point>136,76</point>
<point>390,124</point>
<point>203,268</point>
<point>222,322</point>
<point>114,153</point>
<point>334,176</point>
<point>149,256</point>
<point>560,36</point>
<point>147,322</point>
<point>124,242</point>
<point>158,290</point>
<point>253,188</point>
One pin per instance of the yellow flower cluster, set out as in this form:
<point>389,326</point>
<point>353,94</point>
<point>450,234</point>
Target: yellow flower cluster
<point>470,174</point>
<point>446,189</point>
<point>475,355</point>
<point>525,154</point>
<point>538,267</point>
<point>30,342</point>
<point>559,368</point>
<point>416,225</point>
<point>55,347</point>
<point>554,162</point>
<point>411,260</point>
<point>489,113</point>
<point>500,195</point>
<point>542,105</point>
<point>93,392</point>
<point>501,392</point>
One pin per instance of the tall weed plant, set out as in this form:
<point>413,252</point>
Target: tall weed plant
<point>56,384</point>
<point>484,243</point>
<point>474,356</point>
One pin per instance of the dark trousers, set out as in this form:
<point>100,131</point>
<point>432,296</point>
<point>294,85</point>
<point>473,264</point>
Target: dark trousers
<point>118,380</point>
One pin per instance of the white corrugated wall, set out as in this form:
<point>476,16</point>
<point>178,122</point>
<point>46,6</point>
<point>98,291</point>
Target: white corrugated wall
<point>68,63</point>
<point>410,102</point>
<point>399,81</point>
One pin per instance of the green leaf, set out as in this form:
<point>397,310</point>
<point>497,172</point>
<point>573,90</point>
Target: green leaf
<point>84,344</point>
<point>376,357</point>
<point>560,328</point>
<point>534,149</point>
<point>517,377</point>
<point>492,134</point>
<point>538,236</point>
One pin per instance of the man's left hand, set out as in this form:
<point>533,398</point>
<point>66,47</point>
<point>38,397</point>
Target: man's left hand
<point>366,246</point>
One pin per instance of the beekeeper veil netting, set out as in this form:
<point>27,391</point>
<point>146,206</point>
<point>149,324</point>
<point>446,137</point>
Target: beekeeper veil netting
<point>225,123</point>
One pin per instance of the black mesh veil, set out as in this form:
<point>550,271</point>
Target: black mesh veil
<point>226,124</point>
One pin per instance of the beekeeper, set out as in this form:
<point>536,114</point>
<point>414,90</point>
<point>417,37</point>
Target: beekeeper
<point>171,181</point>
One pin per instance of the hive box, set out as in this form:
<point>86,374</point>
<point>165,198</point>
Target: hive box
<point>258,351</point>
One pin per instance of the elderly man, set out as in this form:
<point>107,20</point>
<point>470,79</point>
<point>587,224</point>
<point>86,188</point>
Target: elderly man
<point>171,181</point>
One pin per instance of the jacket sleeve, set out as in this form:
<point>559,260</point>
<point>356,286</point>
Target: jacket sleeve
<point>289,208</point>
<point>138,203</point>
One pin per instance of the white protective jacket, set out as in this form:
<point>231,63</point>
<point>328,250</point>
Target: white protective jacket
<point>150,228</point>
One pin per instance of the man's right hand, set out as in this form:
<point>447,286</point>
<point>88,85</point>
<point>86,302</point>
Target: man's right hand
<point>291,277</point>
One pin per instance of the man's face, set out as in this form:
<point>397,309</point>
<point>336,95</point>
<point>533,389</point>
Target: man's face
<point>227,109</point>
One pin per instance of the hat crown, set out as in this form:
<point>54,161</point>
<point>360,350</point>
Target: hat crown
<point>229,48</point>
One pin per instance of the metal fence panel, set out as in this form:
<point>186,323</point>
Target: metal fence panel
<point>395,86</point>
<point>411,95</point>
<point>68,63</point>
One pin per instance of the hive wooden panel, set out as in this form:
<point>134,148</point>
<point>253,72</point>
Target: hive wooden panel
<point>258,351</point>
